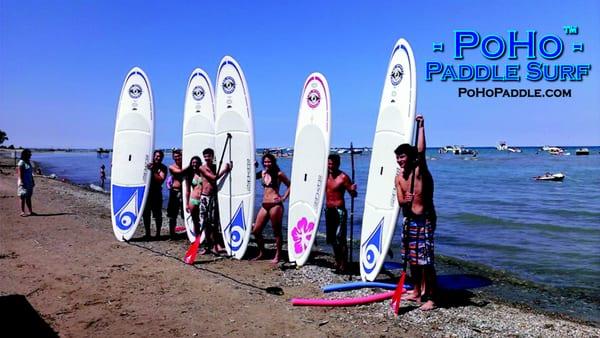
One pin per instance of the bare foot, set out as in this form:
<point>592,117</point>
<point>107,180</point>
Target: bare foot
<point>411,297</point>
<point>257,258</point>
<point>427,306</point>
<point>275,260</point>
<point>202,252</point>
<point>23,214</point>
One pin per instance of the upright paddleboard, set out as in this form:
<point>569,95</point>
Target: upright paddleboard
<point>132,149</point>
<point>198,129</point>
<point>309,167</point>
<point>395,125</point>
<point>233,115</point>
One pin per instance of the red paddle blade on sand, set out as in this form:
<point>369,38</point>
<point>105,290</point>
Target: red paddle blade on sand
<point>190,255</point>
<point>397,297</point>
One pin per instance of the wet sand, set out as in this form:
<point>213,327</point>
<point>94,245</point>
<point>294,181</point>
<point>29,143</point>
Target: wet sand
<point>83,282</point>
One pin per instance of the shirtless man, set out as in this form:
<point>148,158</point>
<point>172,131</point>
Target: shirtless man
<point>417,206</point>
<point>175,205</point>
<point>336,216</point>
<point>208,199</point>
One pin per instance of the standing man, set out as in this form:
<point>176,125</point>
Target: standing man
<point>208,200</point>
<point>336,216</point>
<point>175,204</point>
<point>414,186</point>
<point>154,201</point>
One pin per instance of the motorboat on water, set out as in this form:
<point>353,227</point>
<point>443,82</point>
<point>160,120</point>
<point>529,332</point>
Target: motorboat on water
<point>582,151</point>
<point>502,146</point>
<point>457,150</point>
<point>550,177</point>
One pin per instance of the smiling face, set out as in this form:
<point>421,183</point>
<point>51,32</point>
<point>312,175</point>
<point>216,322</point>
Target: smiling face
<point>177,159</point>
<point>402,159</point>
<point>158,157</point>
<point>195,164</point>
<point>267,163</point>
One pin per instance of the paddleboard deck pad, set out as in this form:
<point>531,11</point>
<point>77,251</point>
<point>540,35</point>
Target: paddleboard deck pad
<point>236,189</point>
<point>309,167</point>
<point>395,125</point>
<point>132,149</point>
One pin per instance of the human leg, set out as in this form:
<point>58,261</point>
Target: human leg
<point>259,224</point>
<point>276,216</point>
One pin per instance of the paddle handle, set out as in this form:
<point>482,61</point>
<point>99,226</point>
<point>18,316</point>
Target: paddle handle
<point>351,206</point>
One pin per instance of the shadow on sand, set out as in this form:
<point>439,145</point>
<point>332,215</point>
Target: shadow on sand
<point>20,318</point>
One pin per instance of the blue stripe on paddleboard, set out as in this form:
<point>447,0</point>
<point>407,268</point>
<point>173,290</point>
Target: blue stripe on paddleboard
<point>198,74</point>
<point>148,87</point>
<point>127,205</point>
<point>241,80</point>
<point>360,285</point>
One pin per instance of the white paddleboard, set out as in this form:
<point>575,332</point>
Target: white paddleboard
<point>132,149</point>
<point>198,130</point>
<point>395,125</point>
<point>309,167</point>
<point>233,116</point>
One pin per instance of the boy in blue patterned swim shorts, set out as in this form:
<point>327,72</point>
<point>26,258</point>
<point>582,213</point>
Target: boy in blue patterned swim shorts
<point>414,186</point>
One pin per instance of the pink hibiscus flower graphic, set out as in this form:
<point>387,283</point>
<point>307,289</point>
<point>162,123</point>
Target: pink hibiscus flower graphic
<point>301,234</point>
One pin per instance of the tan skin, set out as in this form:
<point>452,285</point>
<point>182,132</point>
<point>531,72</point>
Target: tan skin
<point>195,193</point>
<point>337,185</point>
<point>176,169</point>
<point>416,200</point>
<point>26,200</point>
<point>159,176</point>
<point>272,198</point>
<point>209,186</point>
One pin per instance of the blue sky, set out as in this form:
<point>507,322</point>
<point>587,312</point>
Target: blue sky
<point>62,64</point>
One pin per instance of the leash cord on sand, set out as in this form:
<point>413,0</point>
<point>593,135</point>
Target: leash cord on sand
<point>273,290</point>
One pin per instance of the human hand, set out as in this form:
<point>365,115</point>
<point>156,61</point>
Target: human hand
<point>420,120</point>
<point>408,198</point>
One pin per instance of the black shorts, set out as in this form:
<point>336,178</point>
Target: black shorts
<point>175,205</point>
<point>336,220</point>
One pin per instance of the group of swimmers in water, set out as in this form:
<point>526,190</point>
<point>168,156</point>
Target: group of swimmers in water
<point>414,186</point>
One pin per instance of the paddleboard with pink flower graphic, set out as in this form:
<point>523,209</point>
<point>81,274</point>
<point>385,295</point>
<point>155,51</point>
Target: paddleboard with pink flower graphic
<point>309,167</point>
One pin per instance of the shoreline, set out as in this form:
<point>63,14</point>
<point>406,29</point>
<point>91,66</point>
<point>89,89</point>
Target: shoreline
<point>128,274</point>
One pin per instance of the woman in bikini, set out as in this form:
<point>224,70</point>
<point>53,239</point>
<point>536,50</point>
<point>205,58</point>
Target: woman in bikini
<point>272,205</point>
<point>194,191</point>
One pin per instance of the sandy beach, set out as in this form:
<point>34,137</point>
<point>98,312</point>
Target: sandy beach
<point>83,282</point>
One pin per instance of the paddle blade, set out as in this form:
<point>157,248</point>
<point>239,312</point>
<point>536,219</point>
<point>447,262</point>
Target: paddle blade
<point>190,255</point>
<point>397,297</point>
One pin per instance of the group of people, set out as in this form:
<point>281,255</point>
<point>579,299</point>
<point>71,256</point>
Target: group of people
<point>414,187</point>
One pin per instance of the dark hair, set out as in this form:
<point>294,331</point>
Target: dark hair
<point>190,171</point>
<point>274,167</point>
<point>162,153</point>
<point>208,151</point>
<point>335,158</point>
<point>176,152</point>
<point>408,150</point>
<point>25,152</point>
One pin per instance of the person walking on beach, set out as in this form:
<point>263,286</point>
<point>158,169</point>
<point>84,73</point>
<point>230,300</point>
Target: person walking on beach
<point>175,204</point>
<point>414,186</point>
<point>272,205</point>
<point>208,200</point>
<point>102,176</point>
<point>336,215</point>
<point>155,199</point>
<point>25,182</point>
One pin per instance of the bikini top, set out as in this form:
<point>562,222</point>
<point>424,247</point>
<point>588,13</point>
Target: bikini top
<point>196,181</point>
<point>267,181</point>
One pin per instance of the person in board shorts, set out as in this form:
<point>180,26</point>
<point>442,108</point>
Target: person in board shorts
<point>336,216</point>
<point>175,204</point>
<point>420,218</point>
<point>25,182</point>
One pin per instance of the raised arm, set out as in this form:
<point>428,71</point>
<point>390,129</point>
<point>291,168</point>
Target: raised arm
<point>421,140</point>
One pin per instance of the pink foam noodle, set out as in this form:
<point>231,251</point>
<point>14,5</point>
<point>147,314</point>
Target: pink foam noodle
<point>342,301</point>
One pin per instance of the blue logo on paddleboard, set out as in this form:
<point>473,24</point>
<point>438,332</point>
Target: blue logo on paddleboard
<point>228,85</point>
<point>198,93</point>
<point>127,202</point>
<point>372,248</point>
<point>135,91</point>
<point>397,74</point>
<point>236,229</point>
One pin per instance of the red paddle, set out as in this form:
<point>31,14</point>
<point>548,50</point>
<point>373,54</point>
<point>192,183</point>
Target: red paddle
<point>190,255</point>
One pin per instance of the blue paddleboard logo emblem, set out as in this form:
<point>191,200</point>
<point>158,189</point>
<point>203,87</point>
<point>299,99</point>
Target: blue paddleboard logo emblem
<point>128,213</point>
<point>228,85</point>
<point>372,248</point>
<point>313,98</point>
<point>234,232</point>
<point>135,91</point>
<point>198,93</point>
<point>396,74</point>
